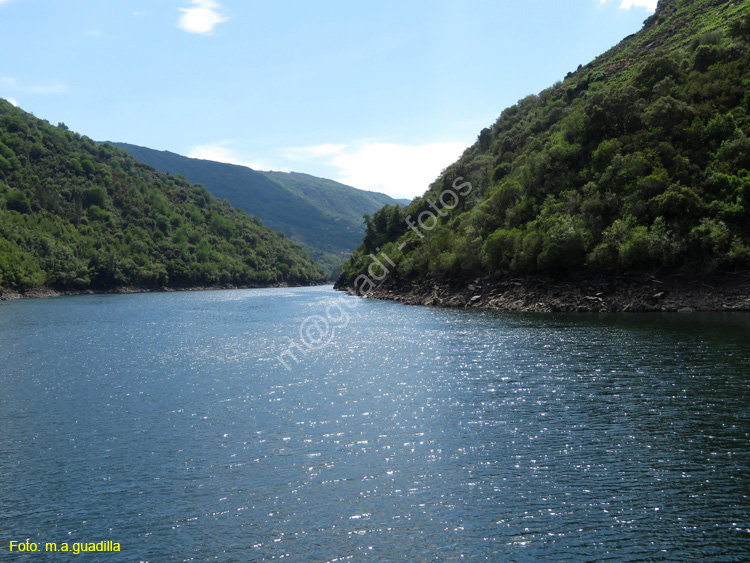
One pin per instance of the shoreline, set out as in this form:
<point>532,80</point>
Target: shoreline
<point>46,293</point>
<point>581,293</point>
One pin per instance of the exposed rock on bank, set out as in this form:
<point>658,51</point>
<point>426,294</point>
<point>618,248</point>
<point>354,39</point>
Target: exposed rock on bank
<point>36,293</point>
<point>576,293</point>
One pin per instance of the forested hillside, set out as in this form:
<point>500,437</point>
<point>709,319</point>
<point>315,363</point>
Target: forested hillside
<point>77,215</point>
<point>635,162</point>
<point>322,214</point>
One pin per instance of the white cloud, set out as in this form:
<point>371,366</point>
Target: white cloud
<point>13,101</point>
<point>219,152</point>
<point>54,88</point>
<point>650,5</point>
<point>57,88</point>
<point>395,169</point>
<point>202,17</point>
<point>309,153</point>
<point>15,86</point>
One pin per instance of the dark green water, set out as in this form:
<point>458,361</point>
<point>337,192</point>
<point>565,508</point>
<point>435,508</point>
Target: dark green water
<point>168,424</point>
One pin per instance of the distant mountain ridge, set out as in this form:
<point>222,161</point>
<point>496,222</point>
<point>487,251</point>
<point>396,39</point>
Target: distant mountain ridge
<point>322,214</point>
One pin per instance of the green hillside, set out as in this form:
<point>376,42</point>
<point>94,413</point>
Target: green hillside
<point>322,214</point>
<point>78,215</point>
<point>635,162</point>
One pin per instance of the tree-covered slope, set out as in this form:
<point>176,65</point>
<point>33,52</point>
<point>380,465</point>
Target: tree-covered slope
<point>320,213</point>
<point>636,162</point>
<point>74,214</point>
<point>344,201</point>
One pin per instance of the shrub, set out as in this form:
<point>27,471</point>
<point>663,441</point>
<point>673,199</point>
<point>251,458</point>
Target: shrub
<point>499,248</point>
<point>18,201</point>
<point>710,242</point>
<point>634,249</point>
<point>563,246</point>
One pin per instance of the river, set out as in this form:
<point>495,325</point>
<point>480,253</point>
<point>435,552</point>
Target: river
<point>307,425</point>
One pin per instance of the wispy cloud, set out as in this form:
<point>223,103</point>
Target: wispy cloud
<point>202,17</point>
<point>13,83</point>
<point>650,5</point>
<point>56,88</point>
<point>309,153</point>
<point>220,152</point>
<point>395,169</point>
<point>13,101</point>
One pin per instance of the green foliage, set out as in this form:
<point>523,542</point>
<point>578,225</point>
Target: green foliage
<point>74,214</point>
<point>17,201</point>
<point>741,28</point>
<point>323,215</point>
<point>655,70</point>
<point>95,195</point>
<point>500,248</point>
<point>705,56</point>
<point>710,242</point>
<point>386,224</point>
<point>637,161</point>
<point>564,247</point>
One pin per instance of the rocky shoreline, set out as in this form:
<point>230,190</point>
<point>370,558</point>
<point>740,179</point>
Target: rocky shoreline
<point>576,293</point>
<point>40,293</point>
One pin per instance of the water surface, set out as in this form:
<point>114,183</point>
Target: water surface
<point>167,423</point>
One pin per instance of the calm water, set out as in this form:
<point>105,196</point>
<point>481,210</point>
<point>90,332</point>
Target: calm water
<point>167,423</point>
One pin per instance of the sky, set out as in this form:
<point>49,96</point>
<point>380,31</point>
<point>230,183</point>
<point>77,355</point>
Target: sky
<point>381,95</point>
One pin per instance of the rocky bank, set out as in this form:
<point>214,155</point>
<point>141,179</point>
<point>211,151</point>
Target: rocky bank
<point>576,293</point>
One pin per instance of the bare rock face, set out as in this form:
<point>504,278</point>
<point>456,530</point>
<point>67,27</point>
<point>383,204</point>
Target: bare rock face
<point>666,7</point>
<point>579,293</point>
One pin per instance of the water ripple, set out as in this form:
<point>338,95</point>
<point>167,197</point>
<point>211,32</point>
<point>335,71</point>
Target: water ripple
<point>166,423</point>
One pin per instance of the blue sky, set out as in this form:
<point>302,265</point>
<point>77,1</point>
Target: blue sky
<point>381,96</point>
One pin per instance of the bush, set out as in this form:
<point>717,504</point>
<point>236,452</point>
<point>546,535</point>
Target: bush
<point>499,248</point>
<point>563,247</point>
<point>634,251</point>
<point>668,113</point>
<point>709,243</point>
<point>741,29</point>
<point>657,70</point>
<point>96,213</point>
<point>95,195</point>
<point>527,253</point>
<point>677,202</point>
<point>705,56</point>
<point>604,153</point>
<point>18,201</point>
<point>663,246</point>
<point>736,152</point>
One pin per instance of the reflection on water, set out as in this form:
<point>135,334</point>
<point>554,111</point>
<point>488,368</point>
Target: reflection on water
<point>165,422</point>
